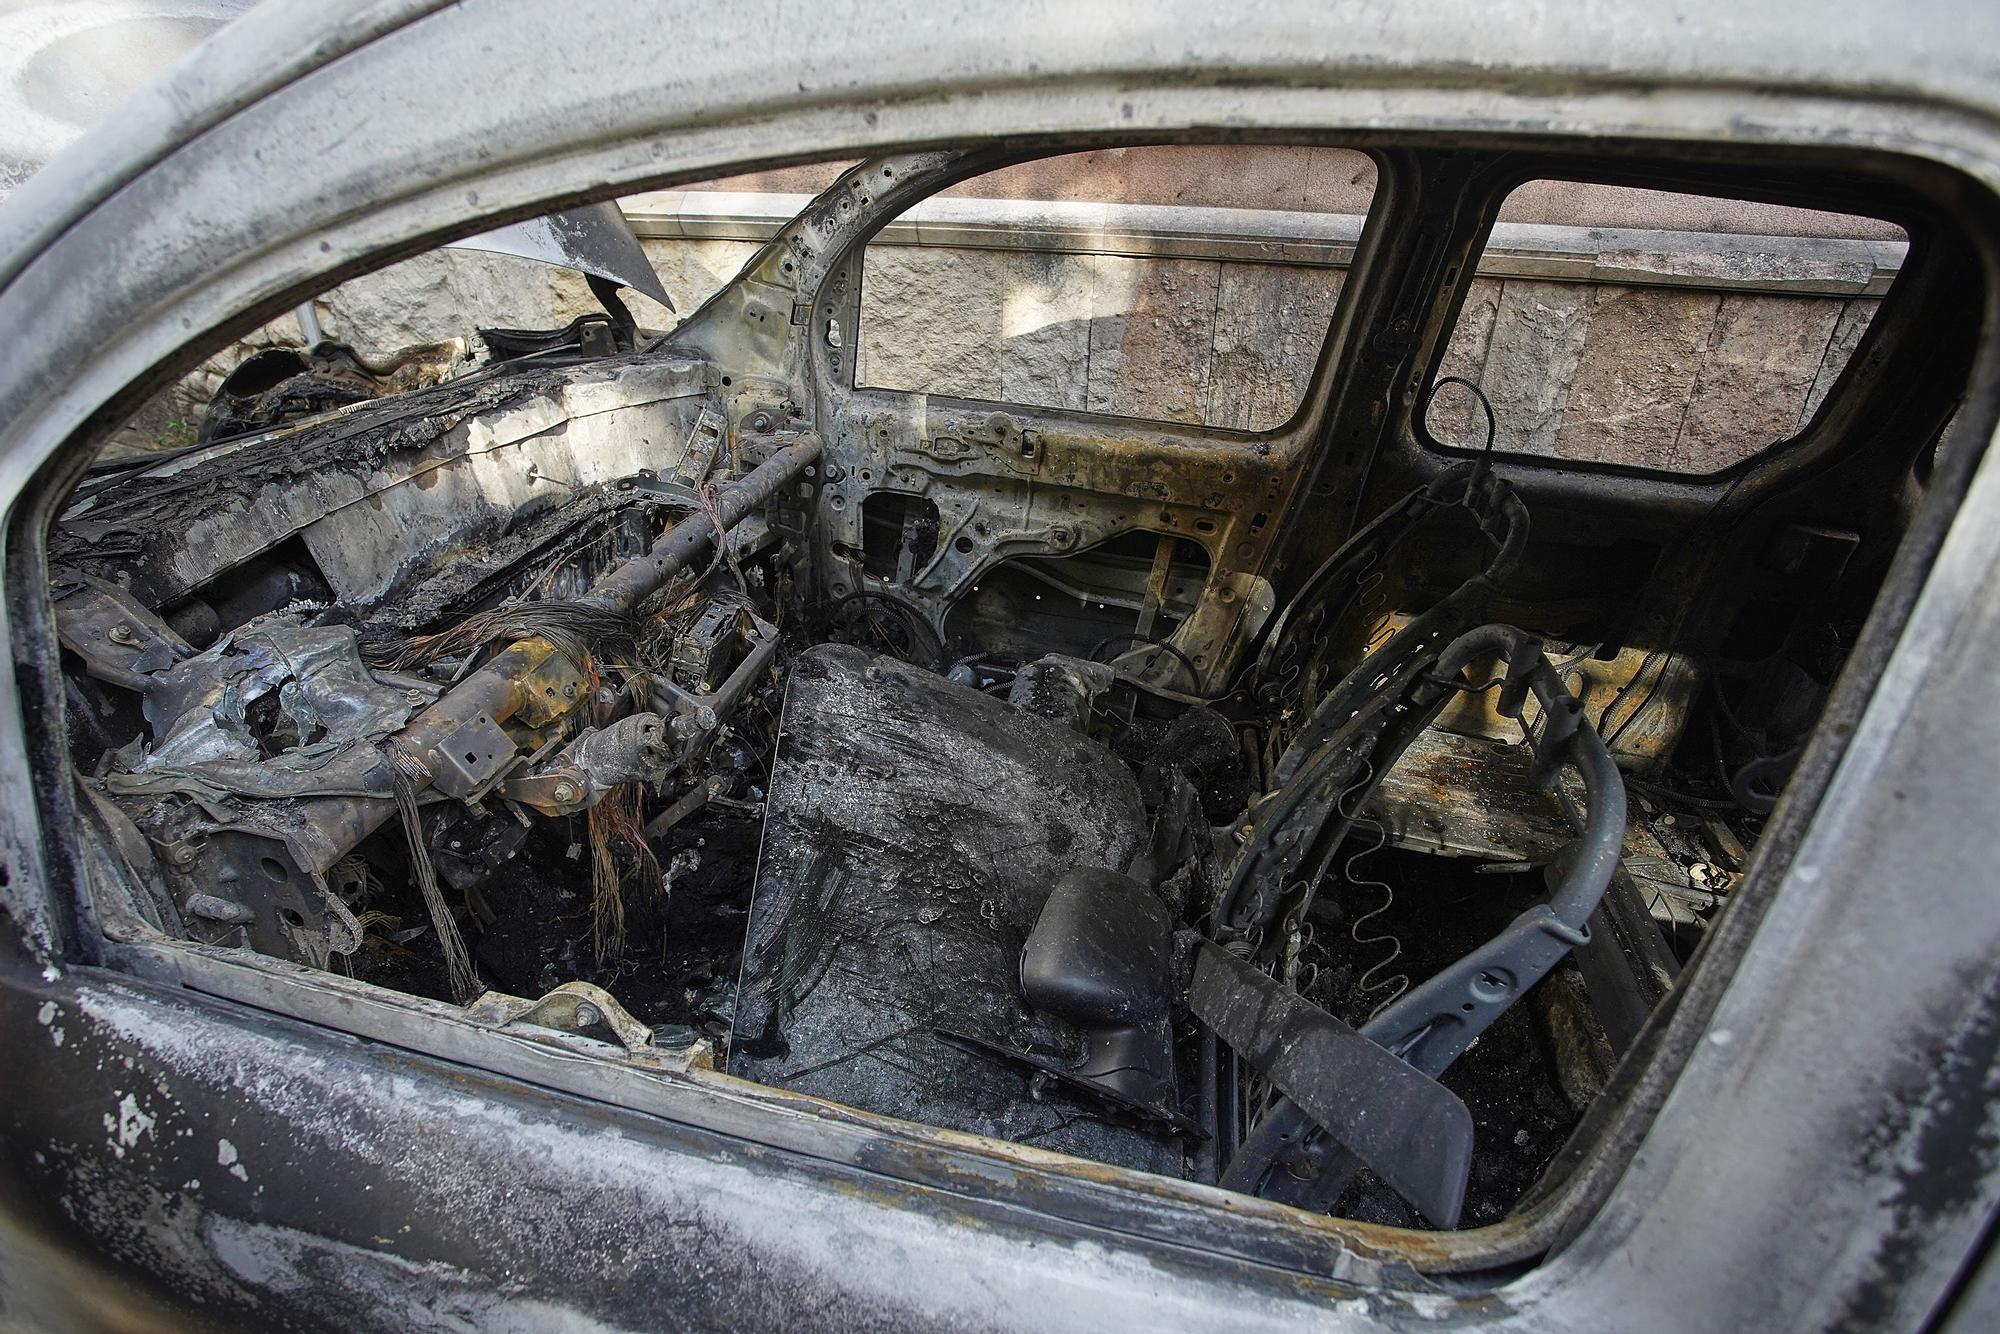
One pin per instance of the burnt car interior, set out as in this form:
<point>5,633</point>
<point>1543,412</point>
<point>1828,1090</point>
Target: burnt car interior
<point>1320,810</point>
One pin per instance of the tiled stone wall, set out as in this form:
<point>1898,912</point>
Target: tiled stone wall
<point>1690,380</point>
<point>1644,372</point>
<point>1173,339</point>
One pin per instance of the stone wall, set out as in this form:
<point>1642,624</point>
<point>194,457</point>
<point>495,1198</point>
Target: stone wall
<point>1684,380</point>
<point>1688,381</point>
<point>1686,351</point>
<point>1185,340</point>
<point>1680,349</point>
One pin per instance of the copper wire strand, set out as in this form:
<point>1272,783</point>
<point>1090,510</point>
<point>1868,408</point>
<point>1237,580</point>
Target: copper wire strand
<point>1397,983</point>
<point>409,771</point>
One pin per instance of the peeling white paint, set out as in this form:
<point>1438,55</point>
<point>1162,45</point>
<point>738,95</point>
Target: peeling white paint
<point>225,1154</point>
<point>739,1210</point>
<point>128,1126</point>
<point>427,1295</point>
<point>47,1016</point>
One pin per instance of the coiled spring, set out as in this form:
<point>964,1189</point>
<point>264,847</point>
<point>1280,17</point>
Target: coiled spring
<point>1397,983</point>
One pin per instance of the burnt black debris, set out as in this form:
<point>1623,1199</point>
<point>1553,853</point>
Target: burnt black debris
<point>474,698</point>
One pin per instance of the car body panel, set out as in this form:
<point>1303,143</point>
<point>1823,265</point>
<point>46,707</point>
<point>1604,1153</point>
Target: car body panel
<point>1815,1139</point>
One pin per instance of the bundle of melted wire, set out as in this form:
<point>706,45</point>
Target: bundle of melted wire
<point>579,630</point>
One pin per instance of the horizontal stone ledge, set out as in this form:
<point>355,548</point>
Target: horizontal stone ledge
<point>1795,265</point>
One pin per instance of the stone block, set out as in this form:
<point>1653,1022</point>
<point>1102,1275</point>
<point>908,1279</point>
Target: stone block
<point>692,272</point>
<point>1007,325</point>
<point>1641,354</point>
<point>1043,349</point>
<point>1855,317</point>
<point>1270,322</point>
<point>1454,417</point>
<point>1762,360</point>
<point>1152,337</point>
<point>1531,357</point>
<point>928,320</point>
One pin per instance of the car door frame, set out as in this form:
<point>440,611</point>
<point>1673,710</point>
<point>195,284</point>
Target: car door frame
<point>259,173</point>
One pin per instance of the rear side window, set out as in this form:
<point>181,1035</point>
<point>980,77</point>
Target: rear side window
<point>1183,283</point>
<point>1673,332</point>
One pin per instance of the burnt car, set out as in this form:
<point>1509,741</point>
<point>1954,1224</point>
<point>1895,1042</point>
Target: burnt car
<point>1053,754</point>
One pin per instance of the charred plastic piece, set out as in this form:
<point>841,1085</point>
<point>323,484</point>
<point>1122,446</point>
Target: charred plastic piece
<point>273,714</point>
<point>1061,688</point>
<point>1414,1132</point>
<point>280,385</point>
<point>1101,959</point>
